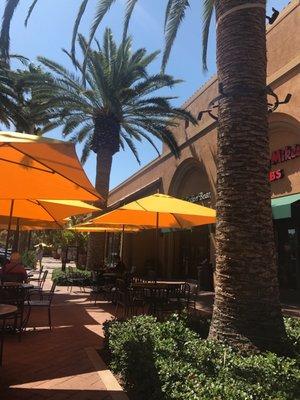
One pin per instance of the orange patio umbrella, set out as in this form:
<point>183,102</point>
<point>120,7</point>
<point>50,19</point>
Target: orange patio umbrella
<point>34,167</point>
<point>26,213</point>
<point>29,224</point>
<point>44,210</point>
<point>159,211</point>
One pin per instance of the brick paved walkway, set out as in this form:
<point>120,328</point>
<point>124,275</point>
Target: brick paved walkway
<point>58,365</point>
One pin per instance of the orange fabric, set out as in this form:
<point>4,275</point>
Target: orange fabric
<point>42,210</point>
<point>29,225</point>
<point>33,167</point>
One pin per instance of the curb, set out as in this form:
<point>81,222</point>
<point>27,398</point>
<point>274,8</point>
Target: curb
<point>111,384</point>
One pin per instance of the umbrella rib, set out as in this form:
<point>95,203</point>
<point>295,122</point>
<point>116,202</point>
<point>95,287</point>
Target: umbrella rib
<point>54,219</point>
<point>54,171</point>
<point>177,220</point>
<point>137,202</point>
<point>27,166</point>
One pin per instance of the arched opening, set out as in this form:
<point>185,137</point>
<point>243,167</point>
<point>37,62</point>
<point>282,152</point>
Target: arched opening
<point>191,182</point>
<point>188,249</point>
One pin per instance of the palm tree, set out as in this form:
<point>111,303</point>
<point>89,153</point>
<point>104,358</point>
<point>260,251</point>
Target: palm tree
<point>116,105</point>
<point>247,310</point>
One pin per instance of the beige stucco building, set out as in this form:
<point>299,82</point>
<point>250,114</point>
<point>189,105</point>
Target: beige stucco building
<point>193,176</point>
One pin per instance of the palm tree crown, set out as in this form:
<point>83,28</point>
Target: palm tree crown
<point>115,104</point>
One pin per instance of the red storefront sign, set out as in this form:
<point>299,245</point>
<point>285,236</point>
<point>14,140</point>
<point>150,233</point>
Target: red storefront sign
<point>280,156</point>
<point>286,154</point>
<point>276,175</point>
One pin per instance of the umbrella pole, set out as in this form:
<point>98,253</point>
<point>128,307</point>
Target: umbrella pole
<point>9,226</point>
<point>16,236</point>
<point>105,247</point>
<point>29,240</point>
<point>122,243</point>
<point>157,244</point>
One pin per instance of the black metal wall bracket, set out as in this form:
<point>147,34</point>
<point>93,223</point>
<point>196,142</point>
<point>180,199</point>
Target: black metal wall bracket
<point>273,106</point>
<point>243,91</point>
<point>273,17</point>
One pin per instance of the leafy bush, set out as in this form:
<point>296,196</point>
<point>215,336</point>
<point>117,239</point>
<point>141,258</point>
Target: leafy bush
<point>29,258</point>
<point>167,360</point>
<point>63,278</point>
<point>293,331</point>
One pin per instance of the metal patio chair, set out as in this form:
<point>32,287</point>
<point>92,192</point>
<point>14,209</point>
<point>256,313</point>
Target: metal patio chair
<point>46,303</point>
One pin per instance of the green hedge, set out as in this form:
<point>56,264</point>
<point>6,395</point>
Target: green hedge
<point>61,278</point>
<point>167,360</point>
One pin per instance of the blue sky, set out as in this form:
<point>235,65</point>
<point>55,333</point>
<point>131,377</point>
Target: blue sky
<point>50,28</point>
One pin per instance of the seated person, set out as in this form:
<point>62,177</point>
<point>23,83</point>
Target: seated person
<point>14,270</point>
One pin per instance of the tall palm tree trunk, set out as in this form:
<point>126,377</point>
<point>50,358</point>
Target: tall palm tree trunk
<point>97,240</point>
<point>247,311</point>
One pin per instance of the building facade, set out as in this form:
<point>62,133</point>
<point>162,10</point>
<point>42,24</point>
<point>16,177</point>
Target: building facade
<point>193,176</point>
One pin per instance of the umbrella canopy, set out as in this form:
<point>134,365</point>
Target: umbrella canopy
<point>159,211</point>
<point>33,167</point>
<point>45,210</point>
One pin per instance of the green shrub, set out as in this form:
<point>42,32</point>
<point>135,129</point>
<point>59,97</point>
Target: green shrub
<point>62,278</point>
<point>29,258</point>
<point>293,331</point>
<point>168,361</point>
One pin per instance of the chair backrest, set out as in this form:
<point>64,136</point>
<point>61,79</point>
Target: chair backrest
<point>51,293</point>
<point>14,295</point>
<point>42,281</point>
<point>193,286</point>
<point>12,278</point>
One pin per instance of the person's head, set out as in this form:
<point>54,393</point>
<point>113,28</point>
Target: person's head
<point>15,257</point>
<point>40,247</point>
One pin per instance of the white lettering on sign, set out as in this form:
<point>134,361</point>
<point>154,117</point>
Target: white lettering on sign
<point>202,196</point>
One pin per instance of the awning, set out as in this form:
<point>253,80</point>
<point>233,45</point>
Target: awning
<point>281,206</point>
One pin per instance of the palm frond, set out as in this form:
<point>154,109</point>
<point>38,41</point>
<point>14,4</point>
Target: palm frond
<point>31,8</point>
<point>76,26</point>
<point>168,9</point>
<point>129,10</point>
<point>208,8</point>
<point>86,150</point>
<point>130,128</point>
<point>131,145</point>
<point>102,9</point>
<point>176,13</point>
<point>8,13</point>
<point>83,132</point>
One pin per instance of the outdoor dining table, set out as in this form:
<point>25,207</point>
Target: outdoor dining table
<point>5,311</point>
<point>155,293</point>
<point>168,285</point>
